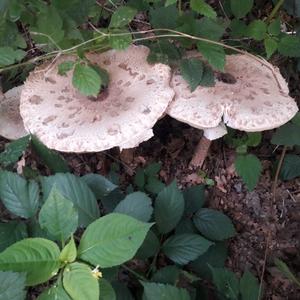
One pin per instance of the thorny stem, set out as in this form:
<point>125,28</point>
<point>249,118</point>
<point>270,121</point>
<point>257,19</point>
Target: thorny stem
<point>274,11</point>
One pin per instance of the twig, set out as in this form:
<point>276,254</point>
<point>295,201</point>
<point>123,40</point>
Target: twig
<point>274,11</point>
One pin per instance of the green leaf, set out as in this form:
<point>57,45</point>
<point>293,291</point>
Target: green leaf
<point>122,291</point>
<point>51,158</point>
<point>169,207</point>
<point>249,168</point>
<point>291,167</point>
<point>249,287</point>
<point>215,257</point>
<point>241,8</point>
<point>69,252</point>
<point>12,232</point>
<point>152,169</point>
<point>214,54</point>
<point>112,240</point>
<point>106,290</point>
<point>154,185</point>
<point>274,27</point>
<point>194,198</point>
<point>289,46</point>
<point>287,135</point>
<point>208,78</point>
<point>167,275</point>
<point>13,151</point>
<point>122,17</point>
<point>56,292</point>
<point>86,80</point>
<point>149,247</point>
<point>170,2</point>
<point>183,248</point>
<point>80,283</point>
<point>58,216</point>
<point>137,205</point>
<point>65,67</point>
<point>164,17</point>
<point>19,196</point>
<point>208,28</point>
<point>154,291</point>
<point>201,7</point>
<point>253,139</point>
<point>100,186</point>
<point>226,283</point>
<point>38,257</point>
<point>271,46</point>
<point>12,286</point>
<point>103,75</point>
<point>238,28</point>
<point>257,29</point>
<point>9,56</point>
<point>186,225</point>
<point>120,39</point>
<point>75,190</point>
<point>285,270</point>
<point>213,224</point>
<point>192,71</point>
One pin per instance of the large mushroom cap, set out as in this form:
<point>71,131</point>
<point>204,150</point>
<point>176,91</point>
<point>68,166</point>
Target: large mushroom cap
<point>11,124</point>
<point>258,99</point>
<point>123,115</point>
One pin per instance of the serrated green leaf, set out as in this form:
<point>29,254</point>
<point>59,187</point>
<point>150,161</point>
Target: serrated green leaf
<point>238,28</point>
<point>249,287</point>
<point>214,54</point>
<point>186,225</point>
<point>112,240</point>
<point>241,8</point>
<point>12,232</point>
<point>274,27</point>
<point>154,291</point>
<point>100,186</point>
<point>213,224</point>
<point>120,39</point>
<point>194,198</point>
<point>106,290</point>
<point>167,275</point>
<point>257,29</point>
<point>208,77</point>
<point>285,270</point>
<point>12,286</point>
<point>51,158</point>
<point>137,205</point>
<point>226,283</point>
<point>249,168</point>
<point>58,216</point>
<point>56,292</point>
<point>80,283</point>
<point>19,196</point>
<point>192,71</point>
<point>154,185</point>
<point>287,135</point>
<point>169,207</point>
<point>201,7</point>
<point>103,75</point>
<point>271,46</point>
<point>69,252</point>
<point>13,151</point>
<point>183,248</point>
<point>86,80</point>
<point>76,190</point>
<point>289,46</point>
<point>149,247</point>
<point>164,17</point>
<point>38,257</point>
<point>208,28</point>
<point>8,56</point>
<point>122,17</point>
<point>65,67</point>
<point>291,167</point>
<point>253,139</point>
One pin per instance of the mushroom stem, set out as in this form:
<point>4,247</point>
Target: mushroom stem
<point>200,153</point>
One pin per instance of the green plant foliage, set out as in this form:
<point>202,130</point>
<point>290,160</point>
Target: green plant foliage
<point>289,46</point>
<point>241,8</point>
<point>290,167</point>
<point>285,270</point>
<point>169,208</point>
<point>37,257</point>
<point>183,248</point>
<point>122,16</point>
<point>194,198</point>
<point>75,190</point>
<point>249,168</point>
<point>203,8</point>
<point>249,287</point>
<point>19,196</point>
<point>106,290</point>
<point>214,54</point>
<point>213,224</point>
<point>58,216</point>
<point>257,29</point>
<point>192,71</point>
<point>154,291</point>
<point>69,252</point>
<point>167,275</point>
<point>9,56</point>
<point>88,288</point>
<point>112,240</point>
<point>149,247</point>
<point>55,292</point>
<point>12,286</point>
<point>137,205</point>
<point>287,135</point>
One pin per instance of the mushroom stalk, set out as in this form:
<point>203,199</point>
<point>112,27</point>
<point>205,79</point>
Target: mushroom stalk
<point>200,153</point>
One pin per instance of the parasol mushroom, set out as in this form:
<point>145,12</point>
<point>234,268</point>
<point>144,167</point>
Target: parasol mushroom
<point>254,99</point>
<point>120,116</point>
<point>11,124</point>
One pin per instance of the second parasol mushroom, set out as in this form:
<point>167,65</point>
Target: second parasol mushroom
<point>255,99</point>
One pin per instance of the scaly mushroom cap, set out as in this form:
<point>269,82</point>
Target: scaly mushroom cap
<point>11,123</point>
<point>122,115</point>
<point>257,101</point>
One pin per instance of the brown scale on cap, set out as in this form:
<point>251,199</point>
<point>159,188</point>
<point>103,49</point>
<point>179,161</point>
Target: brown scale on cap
<point>254,98</point>
<point>121,116</point>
